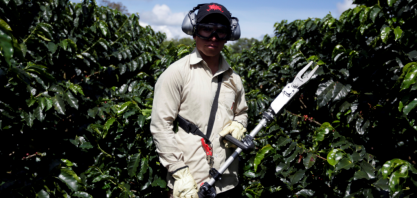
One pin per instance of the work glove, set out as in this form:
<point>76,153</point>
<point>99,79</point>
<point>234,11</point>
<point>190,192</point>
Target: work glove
<point>236,130</point>
<point>184,185</point>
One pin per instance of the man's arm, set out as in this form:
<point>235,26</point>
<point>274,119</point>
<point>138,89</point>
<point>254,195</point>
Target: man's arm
<point>166,102</point>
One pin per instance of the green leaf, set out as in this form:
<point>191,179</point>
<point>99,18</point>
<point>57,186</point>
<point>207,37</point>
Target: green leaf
<point>325,93</point>
<point>398,33</point>
<point>44,31</point>
<point>43,37</point>
<point>52,47</point>
<point>400,106</point>
<point>309,160</point>
<point>394,180</point>
<point>107,126</point>
<point>69,178</point>
<point>71,100</point>
<point>143,168</point>
<point>92,112</point>
<point>123,88</point>
<point>261,154</point>
<point>102,178</point>
<point>103,43</point>
<point>101,114</point>
<point>42,194</point>
<point>344,164</point>
<point>297,177</point>
<point>133,164</point>
<point>4,25</point>
<point>146,185</point>
<point>410,75</point>
<point>6,45</point>
<point>132,86</point>
<point>389,166</point>
<point>67,162</point>
<point>42,102</point>
<point>385,33</point>
<point>141,121</point>
<point>23,48</point>
<point>305,193</point>
<point>30,101</point>
<point>49,104</point>
<point>39,114</point>
<point>103,28</point>
<point>289,149</point>
<point>68,45</point>
<point>391,2</point>
<point>82,194</point>
<point>374,13</point>
<point>334,156</point>
<point>337,50</point>
<point>86,145</point>
<point>76,89</point>
<point>360,175</point>
<point>250,174</point>
<point>324,129</point>
<point>340,91</point>
<point>407,109</point>
<point>88,57</point>
<point>363,16</point>
<point>58,104</point>
<point>18,2</point>
<point>29,118</point>
<point>358,126</point>
<point>282,141</point>
<point>293,155</point>
<point>382,184</point>
<point>159,182</point>
<point>123,108</point>
<point>411,55</point>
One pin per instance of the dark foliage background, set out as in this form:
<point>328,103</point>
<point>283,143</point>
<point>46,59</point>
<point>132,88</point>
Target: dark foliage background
<point>77,89</point>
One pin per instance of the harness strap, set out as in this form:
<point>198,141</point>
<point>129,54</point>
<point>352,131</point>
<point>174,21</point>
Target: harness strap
<point>192,128</point>
<point>214,107</point>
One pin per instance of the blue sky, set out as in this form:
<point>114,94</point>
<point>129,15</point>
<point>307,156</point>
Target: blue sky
<point>256,17</point>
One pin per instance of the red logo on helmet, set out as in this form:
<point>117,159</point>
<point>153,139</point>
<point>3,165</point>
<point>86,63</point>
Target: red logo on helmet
<point>215,7</point>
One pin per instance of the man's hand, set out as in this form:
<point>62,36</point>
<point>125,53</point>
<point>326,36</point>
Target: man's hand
<point>184,185</point>
<point>236,130</point>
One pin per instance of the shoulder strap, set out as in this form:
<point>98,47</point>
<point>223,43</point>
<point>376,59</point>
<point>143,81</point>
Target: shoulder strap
<point>192,128</point>
<point>214,107</point>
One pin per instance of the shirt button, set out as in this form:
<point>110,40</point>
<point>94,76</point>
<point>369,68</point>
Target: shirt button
<point>217,136</point>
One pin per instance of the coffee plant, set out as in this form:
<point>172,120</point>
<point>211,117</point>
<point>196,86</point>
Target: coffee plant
<point>77,88</point>
<point>76,81</point>
<point>351,131</point>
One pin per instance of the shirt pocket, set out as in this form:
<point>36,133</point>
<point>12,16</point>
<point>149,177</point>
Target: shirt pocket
<point>227,98</point>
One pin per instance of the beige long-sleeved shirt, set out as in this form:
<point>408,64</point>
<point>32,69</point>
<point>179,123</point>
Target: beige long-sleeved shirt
<point>187,87</point>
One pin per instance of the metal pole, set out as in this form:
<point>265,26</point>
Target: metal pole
<point>238,151</point>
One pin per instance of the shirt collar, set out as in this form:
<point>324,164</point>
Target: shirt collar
<point>196,58</point>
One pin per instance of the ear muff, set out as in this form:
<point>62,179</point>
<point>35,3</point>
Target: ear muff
<point>235,29</point>
<point>190,21</point>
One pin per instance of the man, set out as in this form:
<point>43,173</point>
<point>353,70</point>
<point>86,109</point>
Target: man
<point>187,89</point>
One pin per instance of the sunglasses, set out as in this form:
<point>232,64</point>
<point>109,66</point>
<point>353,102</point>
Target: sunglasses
<point>208,30</point>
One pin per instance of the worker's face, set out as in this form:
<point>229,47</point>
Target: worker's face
<point>212,46</point>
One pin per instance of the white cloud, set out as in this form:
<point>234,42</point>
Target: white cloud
<point>341,7</point>
<point>163,20</point>
<point>162,15</point>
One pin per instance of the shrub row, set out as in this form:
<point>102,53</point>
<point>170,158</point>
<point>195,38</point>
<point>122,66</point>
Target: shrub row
<point>77,89</point>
